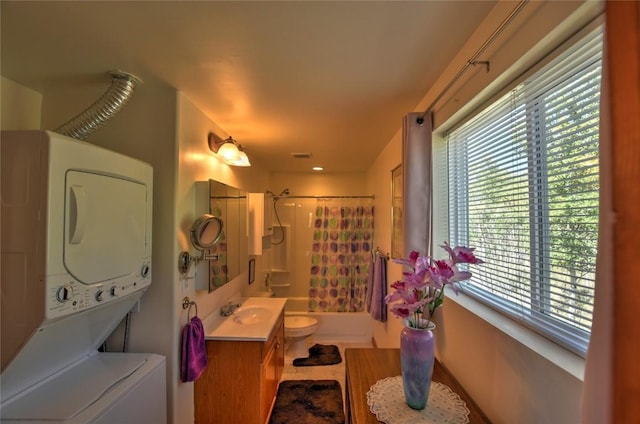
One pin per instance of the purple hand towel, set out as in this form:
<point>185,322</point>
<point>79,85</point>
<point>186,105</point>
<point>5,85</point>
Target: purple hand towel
<point>370,282</point>
<point>194,351</point>
<point>378,289</point>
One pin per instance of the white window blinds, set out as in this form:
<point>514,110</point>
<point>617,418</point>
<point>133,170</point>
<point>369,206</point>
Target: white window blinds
<point>523,190</point>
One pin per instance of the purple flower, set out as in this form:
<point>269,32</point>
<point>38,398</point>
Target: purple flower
<point>462,254</point>
<point>421,290</point>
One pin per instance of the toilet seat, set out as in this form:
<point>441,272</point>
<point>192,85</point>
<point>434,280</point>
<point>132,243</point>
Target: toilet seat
<point>299,325</point>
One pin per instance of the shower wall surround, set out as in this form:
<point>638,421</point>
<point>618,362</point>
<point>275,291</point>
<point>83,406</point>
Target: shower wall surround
<point>288,257</point>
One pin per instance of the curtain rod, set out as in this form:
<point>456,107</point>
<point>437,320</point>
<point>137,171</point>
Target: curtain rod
<point>325,197</point>
<point>227,197</point>
<point>472,61</point>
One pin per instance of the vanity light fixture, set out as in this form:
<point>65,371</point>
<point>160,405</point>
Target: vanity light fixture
<point>228,150</point>
<point>317,168</point>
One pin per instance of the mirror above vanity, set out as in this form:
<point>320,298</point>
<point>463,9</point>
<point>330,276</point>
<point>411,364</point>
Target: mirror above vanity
<point>227,257</point>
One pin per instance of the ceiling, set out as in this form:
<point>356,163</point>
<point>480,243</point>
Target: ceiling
<point>332,79</point>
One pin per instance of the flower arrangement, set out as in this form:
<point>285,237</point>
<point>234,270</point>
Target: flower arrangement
<point>421,291</point>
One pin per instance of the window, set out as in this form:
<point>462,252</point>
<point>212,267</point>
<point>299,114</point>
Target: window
<point>523,190</point>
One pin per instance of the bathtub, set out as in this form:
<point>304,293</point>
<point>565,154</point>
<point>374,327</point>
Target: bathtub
<point>354,327</point>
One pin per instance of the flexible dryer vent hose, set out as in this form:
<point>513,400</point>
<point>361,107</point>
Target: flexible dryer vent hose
<point>106,107</point>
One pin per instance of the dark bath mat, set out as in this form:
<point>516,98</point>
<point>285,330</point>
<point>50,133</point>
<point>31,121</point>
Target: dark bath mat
<point>320,355</point>
<point>308,402</point>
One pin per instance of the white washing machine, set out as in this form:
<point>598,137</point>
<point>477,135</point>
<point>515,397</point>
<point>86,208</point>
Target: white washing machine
<point>104,388</point>
<point>76,258</point>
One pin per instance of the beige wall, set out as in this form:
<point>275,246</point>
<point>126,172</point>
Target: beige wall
<point>318,184</point>
<point>514,375</point>
<point>197,163</point>
<point>20,106</point>
<point>386,334</point>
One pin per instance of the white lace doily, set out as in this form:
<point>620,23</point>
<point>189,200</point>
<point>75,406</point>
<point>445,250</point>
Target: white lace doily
<point>386,400</point>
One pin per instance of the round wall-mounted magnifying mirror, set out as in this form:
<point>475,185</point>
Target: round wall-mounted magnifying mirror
<point>205,231</point>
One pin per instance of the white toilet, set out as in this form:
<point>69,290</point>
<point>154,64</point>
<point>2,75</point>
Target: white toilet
<point>297,330</point>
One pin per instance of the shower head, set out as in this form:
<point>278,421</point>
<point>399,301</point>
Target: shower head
<point>284,192</point>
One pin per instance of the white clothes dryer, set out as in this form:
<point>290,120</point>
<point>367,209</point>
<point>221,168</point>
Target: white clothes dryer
<point>76,258</point>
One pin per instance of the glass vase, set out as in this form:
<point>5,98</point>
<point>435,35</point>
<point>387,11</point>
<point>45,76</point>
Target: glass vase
<point>417,348</point>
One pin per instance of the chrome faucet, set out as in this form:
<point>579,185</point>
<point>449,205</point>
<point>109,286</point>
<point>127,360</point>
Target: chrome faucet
<point>228,308</point>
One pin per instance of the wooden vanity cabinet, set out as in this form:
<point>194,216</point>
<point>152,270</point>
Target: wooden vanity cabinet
<point>241,379</point>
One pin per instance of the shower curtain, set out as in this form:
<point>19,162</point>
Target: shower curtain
<point>341,254</point>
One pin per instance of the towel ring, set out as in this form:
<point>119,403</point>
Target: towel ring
<point>187,304</point>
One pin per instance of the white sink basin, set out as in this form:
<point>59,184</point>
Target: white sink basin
<point>251,315</point>
<point>254,320</point>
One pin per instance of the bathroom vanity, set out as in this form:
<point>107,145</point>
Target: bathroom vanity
<point>245,353</point>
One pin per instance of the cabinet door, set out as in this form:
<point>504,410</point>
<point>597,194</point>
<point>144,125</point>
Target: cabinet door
<point>280,352</point>
<point>229,390</point>
<point>270,380</point>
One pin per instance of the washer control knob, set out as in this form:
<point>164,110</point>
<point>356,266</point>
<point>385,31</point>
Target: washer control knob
<point>99,296</point>
<point>114,291</point>
<point>63,293</point>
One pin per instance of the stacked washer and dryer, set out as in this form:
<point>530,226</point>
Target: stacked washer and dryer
<point>76,258</point>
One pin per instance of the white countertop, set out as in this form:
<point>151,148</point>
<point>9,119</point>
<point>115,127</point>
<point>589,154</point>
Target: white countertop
<point>252,321</point>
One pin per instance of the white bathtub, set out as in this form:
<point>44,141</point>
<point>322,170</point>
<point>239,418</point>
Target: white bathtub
<point>355,327</point>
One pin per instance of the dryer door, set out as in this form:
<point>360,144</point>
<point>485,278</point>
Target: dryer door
<point>105,226</point>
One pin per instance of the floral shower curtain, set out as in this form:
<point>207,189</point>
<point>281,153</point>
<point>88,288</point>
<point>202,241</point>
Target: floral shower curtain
<point>341,254</point>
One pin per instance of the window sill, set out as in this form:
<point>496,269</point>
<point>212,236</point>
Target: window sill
<point>562,358</point>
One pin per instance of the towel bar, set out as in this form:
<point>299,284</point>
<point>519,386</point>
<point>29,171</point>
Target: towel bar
<point>187,304</point>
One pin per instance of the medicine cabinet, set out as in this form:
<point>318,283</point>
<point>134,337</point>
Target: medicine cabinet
<point>231,251</point>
